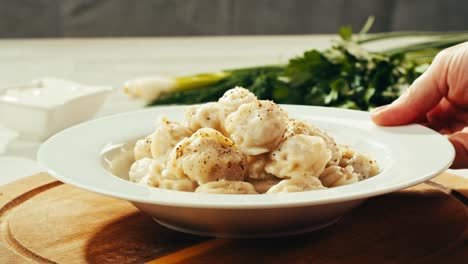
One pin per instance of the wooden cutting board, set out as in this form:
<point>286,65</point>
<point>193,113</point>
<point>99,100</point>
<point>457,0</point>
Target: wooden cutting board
<point>45,221</point>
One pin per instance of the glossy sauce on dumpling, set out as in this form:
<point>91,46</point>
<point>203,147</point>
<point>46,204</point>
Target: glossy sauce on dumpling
<point>207,156</point>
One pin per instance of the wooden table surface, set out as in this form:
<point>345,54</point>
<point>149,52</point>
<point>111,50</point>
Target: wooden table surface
<point>45,221</point>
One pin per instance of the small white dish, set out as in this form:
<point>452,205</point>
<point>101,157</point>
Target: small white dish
<point>41,108</point>
<point>407,155</point>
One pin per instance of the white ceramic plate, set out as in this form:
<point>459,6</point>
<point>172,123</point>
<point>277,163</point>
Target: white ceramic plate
<point>407,155</point>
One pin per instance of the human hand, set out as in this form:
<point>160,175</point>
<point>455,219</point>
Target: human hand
<point>437,99</point>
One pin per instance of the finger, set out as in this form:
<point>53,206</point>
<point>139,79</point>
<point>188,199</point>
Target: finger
<point>440,118</point>
<point>457,80</point>
<point>457,126</point>
<point>460,143</point>
<point>436,127</point>
<point>446,117</point>
<point>423,95</point>
<point>445,131</point>
<point>443,111</point>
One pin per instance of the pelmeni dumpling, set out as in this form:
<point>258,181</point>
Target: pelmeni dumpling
<point>166,136</point>
<point>334,176</point>
<point>139,169</point>
<point>142,148</point>
<point>184,185</point>
<point>263,185</point>
<point>207,156</point>
<point>298,156</point>
<point>233,98</point>
<point>299,127</point>
<point>257,176</point>
<point>256,167</point>
<point>146,171</point>
<point>205,115</point>
<point>226,187</point>
<point>362,164</point>
<point>178,182</point>
<point>297,184</point>
<point>257,127</point>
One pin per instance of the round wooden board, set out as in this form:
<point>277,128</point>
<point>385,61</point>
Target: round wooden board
<point>45,221</point>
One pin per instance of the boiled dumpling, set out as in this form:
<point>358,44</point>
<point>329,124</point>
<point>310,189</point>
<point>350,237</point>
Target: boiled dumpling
<point>257,127</point>
<point>142,148</point>
<point>207,156</point>
<point>299,127</point>
<point>226,187</point>
<point>297,184</point>
<point>178,182</point>
<point>139,169</point>
<point>184,185</point>
<point>299,155</point>
<point>256,167</point>
<point>146,171</point>
<point>205,115</point>
<point>233,98</point>
<point>166,136</point>
<point>263,185</point>
<point>334,176</point>
<point>362,164</point>
<point>257,176</point>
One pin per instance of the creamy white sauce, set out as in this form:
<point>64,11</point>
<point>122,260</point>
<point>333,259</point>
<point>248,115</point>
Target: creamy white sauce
<point>118,158</point>
<point>48,92</point>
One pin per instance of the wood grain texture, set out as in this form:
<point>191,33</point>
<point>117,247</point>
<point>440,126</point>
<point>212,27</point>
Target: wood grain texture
<point>45,221</point>
<point>57,223</point>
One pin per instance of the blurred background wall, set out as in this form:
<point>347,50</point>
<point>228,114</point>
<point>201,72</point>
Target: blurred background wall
<point>109,18</point>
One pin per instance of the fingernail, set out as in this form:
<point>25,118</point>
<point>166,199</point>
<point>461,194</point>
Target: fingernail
<point>378,109</point>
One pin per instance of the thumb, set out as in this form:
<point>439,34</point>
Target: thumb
<point>460,143</point>
<point>423,95</point>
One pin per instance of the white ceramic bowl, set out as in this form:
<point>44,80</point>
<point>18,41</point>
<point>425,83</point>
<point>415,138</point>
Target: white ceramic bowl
<point>408,155</point>
<point>40,115</point>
